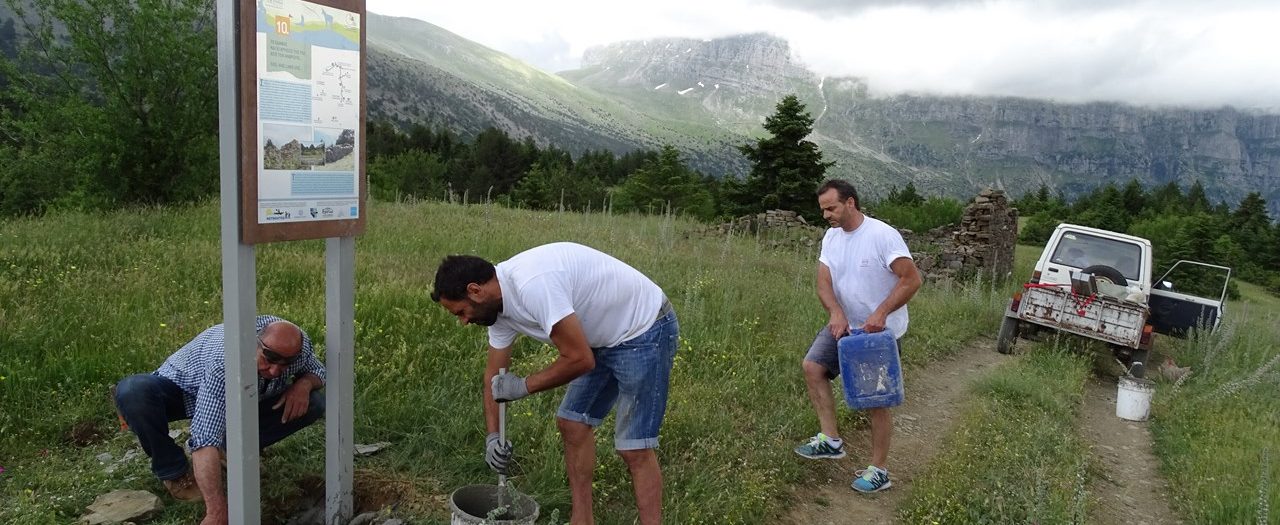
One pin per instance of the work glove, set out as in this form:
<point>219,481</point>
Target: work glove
<point>497,453</point>
<point>508,387</point>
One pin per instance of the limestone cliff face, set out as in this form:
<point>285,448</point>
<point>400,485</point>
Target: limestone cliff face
<point>1019,143</point>
<point>708,96</point>
<point>756,63</point>
<point>737,79</point>
<point>949,144</point>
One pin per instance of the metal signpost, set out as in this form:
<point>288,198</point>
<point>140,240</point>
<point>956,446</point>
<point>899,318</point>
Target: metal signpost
<point>291,107</point>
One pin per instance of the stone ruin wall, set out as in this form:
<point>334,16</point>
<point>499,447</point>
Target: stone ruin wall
<point>982,245</point>
<point>769,220</point>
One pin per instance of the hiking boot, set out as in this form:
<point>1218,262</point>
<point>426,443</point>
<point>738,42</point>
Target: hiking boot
<point>820,447</point>
<point>871,479</point>
<point>184,488</point>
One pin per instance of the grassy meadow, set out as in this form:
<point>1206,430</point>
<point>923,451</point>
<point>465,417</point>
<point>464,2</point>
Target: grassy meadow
<point>1014,456</point>
<point>87,299</point>
<point>1218,432</point>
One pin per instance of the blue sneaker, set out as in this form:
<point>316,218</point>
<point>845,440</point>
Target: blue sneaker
<point>871,479</point>
<point>820,447</point>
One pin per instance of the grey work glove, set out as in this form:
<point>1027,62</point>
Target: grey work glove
<point>508,387</point>
<point>497,453</point>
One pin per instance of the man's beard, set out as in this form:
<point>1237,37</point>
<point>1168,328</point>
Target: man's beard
<point>485,314</point>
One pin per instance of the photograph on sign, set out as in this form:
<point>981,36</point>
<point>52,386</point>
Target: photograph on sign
<point>308,122</point>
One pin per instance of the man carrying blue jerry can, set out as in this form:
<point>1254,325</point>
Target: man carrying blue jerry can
<point>865,278</point>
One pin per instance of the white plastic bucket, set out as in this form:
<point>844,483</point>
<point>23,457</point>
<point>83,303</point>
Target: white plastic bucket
<point>1133,398</point>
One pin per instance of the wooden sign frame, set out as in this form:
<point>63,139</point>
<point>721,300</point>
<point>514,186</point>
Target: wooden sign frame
<point>251,231</point>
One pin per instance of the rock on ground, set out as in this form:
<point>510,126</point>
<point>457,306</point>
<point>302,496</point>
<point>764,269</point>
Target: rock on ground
<point>119,506</point>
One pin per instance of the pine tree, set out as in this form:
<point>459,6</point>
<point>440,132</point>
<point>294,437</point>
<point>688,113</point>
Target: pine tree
<point>662,183</point>
<point>786,168</point>
<point>1134,198</point>
<point>1197,200</point>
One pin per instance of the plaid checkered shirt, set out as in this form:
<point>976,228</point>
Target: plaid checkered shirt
<point>199,370</point>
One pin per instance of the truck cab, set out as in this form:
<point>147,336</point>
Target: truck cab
<point>1115,258</point>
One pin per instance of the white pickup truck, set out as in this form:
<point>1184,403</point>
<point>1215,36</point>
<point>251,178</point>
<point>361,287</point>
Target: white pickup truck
<point>1098,284</point>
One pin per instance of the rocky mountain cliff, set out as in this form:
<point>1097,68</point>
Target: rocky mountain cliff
<point>948,144</point>
<point>1019,143</point>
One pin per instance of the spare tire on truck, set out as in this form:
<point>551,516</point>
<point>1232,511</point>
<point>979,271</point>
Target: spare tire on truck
<point>1102,271</point>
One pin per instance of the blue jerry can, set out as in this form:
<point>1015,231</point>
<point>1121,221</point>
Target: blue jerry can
<point>871,369</point>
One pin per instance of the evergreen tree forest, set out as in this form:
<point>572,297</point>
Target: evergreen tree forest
<point>1180,225</point>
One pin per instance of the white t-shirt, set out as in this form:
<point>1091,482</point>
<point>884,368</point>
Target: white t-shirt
<point>543,285</point>
<point>859,262</point>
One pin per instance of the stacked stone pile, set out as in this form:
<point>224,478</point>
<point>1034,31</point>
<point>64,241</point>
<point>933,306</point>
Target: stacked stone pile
<point>983,244</point>
<point>769,220</point>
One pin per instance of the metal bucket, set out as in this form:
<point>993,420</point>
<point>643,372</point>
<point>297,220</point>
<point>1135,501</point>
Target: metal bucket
<point>472,504</point>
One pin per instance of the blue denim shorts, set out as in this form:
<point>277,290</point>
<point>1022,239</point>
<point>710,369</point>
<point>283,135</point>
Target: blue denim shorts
<point>635,374</point>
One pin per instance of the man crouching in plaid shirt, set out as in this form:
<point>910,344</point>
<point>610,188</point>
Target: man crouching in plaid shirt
<point>192,384</point>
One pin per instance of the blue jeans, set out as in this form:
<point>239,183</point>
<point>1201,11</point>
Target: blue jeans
<point>148,403</point>
<point>635,374</point>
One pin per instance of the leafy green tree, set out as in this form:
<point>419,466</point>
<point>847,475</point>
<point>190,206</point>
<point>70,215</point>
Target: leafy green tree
<point>414,173</point>
<point>1038,229</point>
<point>665,183</point>
<point>1103,208</point>
<point>907,196</point>
<point>786,168</point>
<point>497,163</point>
<point>552,186</point>
<point>115,106</point>
<point>598,164</point>
<point>922,216</point>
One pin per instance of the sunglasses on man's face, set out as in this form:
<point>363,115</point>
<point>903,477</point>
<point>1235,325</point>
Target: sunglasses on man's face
<point>274,357</point>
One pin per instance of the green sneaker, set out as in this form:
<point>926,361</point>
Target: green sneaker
<point>871,479</point>
<point>820,447</point>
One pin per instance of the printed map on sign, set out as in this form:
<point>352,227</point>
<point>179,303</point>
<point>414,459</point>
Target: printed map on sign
<point>308,112</point>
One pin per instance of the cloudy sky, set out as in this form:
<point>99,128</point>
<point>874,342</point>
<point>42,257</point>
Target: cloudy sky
<point>1183,52</point>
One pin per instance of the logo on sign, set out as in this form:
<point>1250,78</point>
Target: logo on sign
<point>282,25</point>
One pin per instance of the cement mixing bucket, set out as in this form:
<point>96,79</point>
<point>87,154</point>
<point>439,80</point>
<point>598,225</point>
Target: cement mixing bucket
<point>1133,398</point>
<point>472,504</point>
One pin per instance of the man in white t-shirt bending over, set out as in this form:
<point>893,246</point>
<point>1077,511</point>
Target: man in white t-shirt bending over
<point>865,278</point>
<point>617,337</point>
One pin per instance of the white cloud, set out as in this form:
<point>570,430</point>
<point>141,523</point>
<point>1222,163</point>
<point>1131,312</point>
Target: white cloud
<point>1140,51</point>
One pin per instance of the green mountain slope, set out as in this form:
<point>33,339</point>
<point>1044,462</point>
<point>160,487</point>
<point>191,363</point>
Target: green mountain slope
<point>708,96</point>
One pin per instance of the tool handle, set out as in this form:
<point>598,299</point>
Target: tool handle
<point>502,429</point>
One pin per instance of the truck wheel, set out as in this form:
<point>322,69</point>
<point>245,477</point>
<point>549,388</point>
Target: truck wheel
<point>1108,273</point>
<point>1008,333</point>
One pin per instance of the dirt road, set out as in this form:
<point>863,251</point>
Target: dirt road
<point>933,400</point>
<point>1128,488</point>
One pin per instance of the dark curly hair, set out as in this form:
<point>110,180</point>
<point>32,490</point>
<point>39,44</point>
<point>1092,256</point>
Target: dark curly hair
<point>456,272</point>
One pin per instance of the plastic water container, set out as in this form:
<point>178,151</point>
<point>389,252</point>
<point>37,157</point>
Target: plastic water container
<point>871,369</point>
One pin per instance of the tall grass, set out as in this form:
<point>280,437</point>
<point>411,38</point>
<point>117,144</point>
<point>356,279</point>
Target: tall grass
<point>1216,431</point>
<point>1015,456</point>
<point>87,299</point>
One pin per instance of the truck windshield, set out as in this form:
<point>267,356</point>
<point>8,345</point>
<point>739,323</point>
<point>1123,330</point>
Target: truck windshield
<point>1082,250</point>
